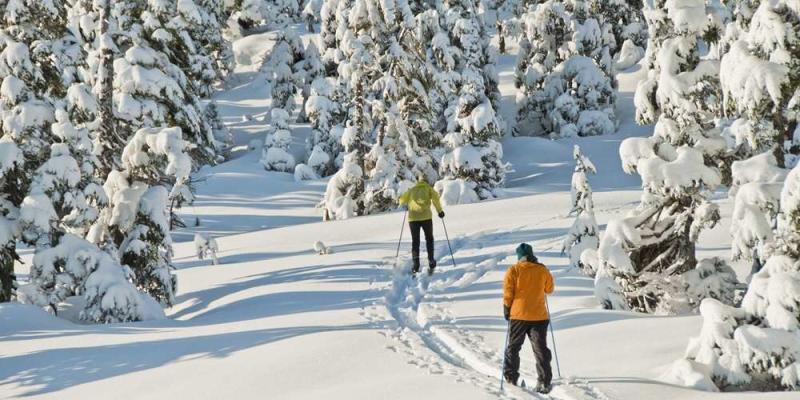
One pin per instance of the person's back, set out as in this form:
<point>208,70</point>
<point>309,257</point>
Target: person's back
<point>525,308</point>
<point>419,200</point>
<point>526,284</point>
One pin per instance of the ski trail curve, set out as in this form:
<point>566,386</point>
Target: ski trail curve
<point>425,333</point>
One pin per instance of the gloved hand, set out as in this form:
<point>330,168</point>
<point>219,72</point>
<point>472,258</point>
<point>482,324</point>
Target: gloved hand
<point>441,214</point>
<point>506,312</point>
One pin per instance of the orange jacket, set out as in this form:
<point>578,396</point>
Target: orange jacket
<point>524,288</point>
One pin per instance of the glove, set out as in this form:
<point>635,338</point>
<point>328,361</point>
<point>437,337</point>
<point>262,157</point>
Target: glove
<point>441,214</point>
<point>506,312</point>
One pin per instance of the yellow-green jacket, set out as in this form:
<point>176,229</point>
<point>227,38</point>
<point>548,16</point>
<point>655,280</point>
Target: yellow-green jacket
<point>419,199</point>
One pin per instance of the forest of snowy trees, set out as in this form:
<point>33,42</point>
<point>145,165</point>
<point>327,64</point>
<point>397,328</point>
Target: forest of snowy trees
<point>103,121</point>
<point>105,113</point>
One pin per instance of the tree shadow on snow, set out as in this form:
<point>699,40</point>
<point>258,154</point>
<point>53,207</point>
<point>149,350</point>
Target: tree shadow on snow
<point>51,370</point>
<point>303,301</point>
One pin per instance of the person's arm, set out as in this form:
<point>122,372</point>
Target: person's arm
<point>509,286</point>
<point>437,202</point>
<point>548,282</point>
<point>403,200</point>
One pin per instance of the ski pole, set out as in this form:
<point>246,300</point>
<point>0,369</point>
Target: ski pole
<point>452,257</point>
<point>505,347</point>
<point>402,228</point>
<point>552,335</point>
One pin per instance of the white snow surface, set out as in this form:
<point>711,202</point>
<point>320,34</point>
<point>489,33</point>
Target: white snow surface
<point>276,320</point>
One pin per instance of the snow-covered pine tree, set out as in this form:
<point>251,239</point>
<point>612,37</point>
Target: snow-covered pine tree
<point>63,195</point>
<point>653,250</point>
<point>760,80</point>
<point>12,163</point>
<point>440,56</point>
<point>135,52</point>
<point>584,233</point>
<point>62,203</point>
<point>312,14</point>
<point>472,168</point>
<point>676,30</point>
<point>262,15</point>
<point>169,24</point>
<point>150,91</point>
<point>308,69</point>
<point>28,83</point>
<point>96,275</point>
<point>155,179</point>
<point>626,20</point>
<point>91,22</point>
<point>281,67</point>
<point>568,78</point>
<point>276,156</point>
<point>39,60</point>
<point>543,46</point>
<point>323,145</point>
<point>755,347</point>
<point>756,190</point>
<point>464,23</point>
<point>328,38</point>
<point>344,195</point>
<point>403,117</point>
<point>679,165</point>
<point>209,34</point>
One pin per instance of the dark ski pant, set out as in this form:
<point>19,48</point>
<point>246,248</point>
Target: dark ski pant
<point>536,331</point>
<point>427,227</point>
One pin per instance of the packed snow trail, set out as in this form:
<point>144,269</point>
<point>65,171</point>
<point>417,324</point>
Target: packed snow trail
<point>429,336</point>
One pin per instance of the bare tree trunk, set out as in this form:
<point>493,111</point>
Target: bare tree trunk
<point>104,87</point>
<point>7,278</point>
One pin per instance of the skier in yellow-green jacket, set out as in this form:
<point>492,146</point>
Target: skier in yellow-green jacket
<point>419,200</point>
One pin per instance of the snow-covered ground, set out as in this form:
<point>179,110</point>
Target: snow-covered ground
<point>277,320</point>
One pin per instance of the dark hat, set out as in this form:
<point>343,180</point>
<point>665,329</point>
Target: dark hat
<point>525,250</point>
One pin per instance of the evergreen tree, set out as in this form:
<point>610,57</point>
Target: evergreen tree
<point>654,247</point>
<point>282,67</point>
<point>104,283</point>
<point>757,183</point>
<point>154,179</point>
<point>625,19</point>
<point>403,117</point>
<point>754,347</point>
<point>11,176</point>
<point>323,145</point>
<point>276,156</point>
<point>473,161</point>
<point>566,72</point>
<point>345,190</point>
<point>758,87</point>
<point>308,69</point>
<point>39,60</point>
<point>584,233</point>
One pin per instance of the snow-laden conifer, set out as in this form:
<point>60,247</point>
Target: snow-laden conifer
<point>276,156</point>
<point>584,234</point>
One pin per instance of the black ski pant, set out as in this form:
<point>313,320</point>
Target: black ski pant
<point>536,331</point>
<point>427,227</point>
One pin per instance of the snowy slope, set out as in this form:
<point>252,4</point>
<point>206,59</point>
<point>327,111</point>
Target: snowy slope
<point>276,320</point>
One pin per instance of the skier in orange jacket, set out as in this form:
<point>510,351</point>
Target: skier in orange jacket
<point>525,286</point>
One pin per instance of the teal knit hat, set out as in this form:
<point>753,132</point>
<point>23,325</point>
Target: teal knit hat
<point>525,250</point>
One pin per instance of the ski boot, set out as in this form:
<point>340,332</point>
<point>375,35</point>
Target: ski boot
<point>415,268</point>
<point>512,381</point>
<point>543,388</point>
<point>431,267</point>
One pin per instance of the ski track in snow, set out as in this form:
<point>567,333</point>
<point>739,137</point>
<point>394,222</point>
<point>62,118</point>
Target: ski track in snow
<point>428,335</point>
